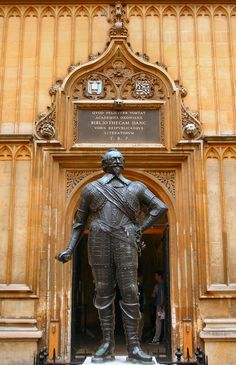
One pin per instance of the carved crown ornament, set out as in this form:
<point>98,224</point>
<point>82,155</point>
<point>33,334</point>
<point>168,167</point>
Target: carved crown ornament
<point>117,76</point>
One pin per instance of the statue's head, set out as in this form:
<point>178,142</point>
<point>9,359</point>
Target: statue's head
<point>113,161</point>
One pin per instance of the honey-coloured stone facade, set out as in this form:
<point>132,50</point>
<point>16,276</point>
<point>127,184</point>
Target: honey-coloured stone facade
<point>188,55</point>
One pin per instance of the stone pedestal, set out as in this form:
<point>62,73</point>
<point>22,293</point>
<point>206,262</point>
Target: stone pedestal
<point>120,360</point>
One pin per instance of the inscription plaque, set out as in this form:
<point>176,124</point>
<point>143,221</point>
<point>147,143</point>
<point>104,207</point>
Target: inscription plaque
<point>119,126</point>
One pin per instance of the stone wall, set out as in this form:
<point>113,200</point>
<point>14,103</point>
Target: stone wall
<point>197,44</point>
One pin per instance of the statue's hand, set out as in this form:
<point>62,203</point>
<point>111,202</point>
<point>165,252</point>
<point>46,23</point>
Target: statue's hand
<point>138,233</point>
<point>64,256</point>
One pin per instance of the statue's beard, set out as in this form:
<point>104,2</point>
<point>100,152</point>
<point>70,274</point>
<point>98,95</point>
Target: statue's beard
<point>116,170</point>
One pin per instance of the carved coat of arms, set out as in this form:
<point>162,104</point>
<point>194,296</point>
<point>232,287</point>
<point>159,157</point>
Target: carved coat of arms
<point>142,88</point>
<point>94,87</point>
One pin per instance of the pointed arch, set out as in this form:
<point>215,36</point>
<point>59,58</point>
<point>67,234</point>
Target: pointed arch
<point>99,11</point>
<point>212,153</point>
<point>31,12</point>
<point>220,11</point>
<point>169,11</point>
<point>233,11</point>
<point>152,11</point>
<point>5,153</point>
<point>64,12</point>
<point>48,12</point>
<point>2,15</point>
<point>149,180</point>
<point>203,11</point>
<point>229,152</point>
<point>82,11</point>
<point>186,11</point>
<point>135,11</point>
<point>23,153</point>
<point>14,12</point>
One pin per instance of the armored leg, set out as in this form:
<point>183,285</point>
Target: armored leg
<point>129,304</point>
<point>104,302</point>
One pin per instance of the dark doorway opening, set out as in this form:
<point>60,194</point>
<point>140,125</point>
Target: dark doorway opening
<point>85,328</point>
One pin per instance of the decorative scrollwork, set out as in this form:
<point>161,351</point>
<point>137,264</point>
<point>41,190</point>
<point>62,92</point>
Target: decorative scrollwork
<point>167,178</point>
<point>190,123</point>
<point>45,125</point>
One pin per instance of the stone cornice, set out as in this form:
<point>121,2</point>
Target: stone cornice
<point>16,138</point>
<point>230,138</point>
<point>73,2</point>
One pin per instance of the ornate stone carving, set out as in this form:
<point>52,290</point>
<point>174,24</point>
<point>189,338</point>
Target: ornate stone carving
<point>74,177</point>
<point>118,71</point>
<point>119,79</point>
<point>167,178</point>
<point>190,123</point>
<point>73,67</point>
<point>94,86</point>
<point>94,56</point>
<point>54,89</point>
<point>143,86</point>
<point>161,65</point>
<point>162,124</point>
<point>143,55</point>
<point>182,90</point>
<point>45,125</point>
<point>118,30</point>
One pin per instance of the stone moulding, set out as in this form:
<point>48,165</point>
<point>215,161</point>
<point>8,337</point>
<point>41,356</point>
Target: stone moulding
<point>19,328</point>
<point>219,329</point>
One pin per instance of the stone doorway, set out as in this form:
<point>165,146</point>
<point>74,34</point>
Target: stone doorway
<point>85,328</point>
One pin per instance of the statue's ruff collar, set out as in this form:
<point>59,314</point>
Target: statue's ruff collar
<point>108,177</point>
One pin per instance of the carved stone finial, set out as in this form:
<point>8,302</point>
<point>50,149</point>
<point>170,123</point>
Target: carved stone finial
<point>73,67</point>
<point>118,30</point>
<point>45,125</point>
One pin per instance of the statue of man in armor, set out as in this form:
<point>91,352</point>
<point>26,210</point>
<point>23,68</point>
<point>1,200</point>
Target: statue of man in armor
<point>113,244</point>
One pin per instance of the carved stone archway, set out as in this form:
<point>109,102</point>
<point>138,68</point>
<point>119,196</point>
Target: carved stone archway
<point>124,81</point>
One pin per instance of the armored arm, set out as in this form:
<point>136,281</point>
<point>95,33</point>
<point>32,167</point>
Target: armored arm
<point>155,206</point>
<point>78,227</point>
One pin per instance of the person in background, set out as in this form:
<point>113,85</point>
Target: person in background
<point>159,299</point>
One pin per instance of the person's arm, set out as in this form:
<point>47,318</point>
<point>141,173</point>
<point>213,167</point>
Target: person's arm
<point>78,227</point>
<point>155,206</point>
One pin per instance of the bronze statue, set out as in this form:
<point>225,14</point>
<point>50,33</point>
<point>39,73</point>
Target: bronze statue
<point>113,244</point>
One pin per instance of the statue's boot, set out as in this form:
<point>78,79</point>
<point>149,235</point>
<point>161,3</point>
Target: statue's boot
<point>131,323</point>
<point>106,351</point>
